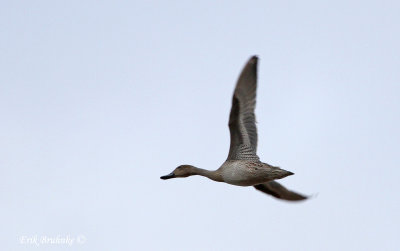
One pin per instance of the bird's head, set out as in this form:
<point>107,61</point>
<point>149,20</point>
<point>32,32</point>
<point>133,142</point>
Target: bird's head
<point>181,171</point>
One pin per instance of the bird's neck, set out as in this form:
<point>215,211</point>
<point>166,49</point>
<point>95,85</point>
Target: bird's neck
<point>214,175</point>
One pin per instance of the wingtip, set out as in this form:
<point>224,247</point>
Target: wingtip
<point>253,59</point>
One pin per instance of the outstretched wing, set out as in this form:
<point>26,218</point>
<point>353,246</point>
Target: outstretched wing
<point>277,190</point>
<point>242,121</point>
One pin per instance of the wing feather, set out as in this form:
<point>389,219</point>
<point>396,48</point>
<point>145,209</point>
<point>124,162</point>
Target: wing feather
<point>242,120</point>
<point>278,191</point>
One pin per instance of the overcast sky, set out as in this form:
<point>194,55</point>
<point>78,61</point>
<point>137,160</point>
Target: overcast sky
<point>98,99</point>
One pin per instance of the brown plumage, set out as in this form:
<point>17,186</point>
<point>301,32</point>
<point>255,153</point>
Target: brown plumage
<point>243,167</point>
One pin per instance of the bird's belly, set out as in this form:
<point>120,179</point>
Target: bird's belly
<point>243,176</point>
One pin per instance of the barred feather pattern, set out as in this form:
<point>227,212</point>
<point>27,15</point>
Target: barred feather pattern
<point>242,121</point>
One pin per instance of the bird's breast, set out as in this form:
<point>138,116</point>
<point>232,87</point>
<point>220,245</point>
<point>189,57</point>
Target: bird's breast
<point>243,173</point>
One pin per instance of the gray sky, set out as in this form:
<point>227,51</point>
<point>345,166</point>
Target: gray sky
<point>98,99</point>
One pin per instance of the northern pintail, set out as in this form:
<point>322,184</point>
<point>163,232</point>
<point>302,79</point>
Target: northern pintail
<point>243,167</point>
